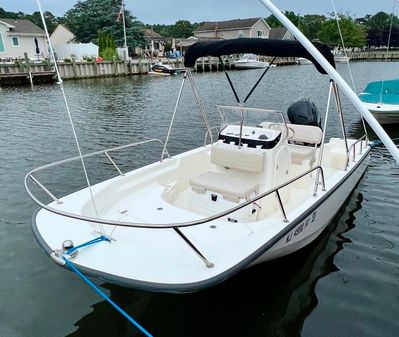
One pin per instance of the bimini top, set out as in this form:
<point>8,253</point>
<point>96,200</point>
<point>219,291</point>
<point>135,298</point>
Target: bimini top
<point>280,48</point>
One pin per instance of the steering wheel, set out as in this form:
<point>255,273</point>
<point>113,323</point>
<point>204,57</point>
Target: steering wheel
<point>286,132</point>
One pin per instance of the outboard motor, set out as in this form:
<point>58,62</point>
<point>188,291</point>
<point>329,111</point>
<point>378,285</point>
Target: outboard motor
<point>304,112</point>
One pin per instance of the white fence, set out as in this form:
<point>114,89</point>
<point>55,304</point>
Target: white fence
<point>78,51</point>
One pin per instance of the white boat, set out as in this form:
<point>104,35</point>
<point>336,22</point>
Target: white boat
<point>381,98</point>
<point>250,61</point>
<point>263,189</point>
<point>340,57</point>
<point>303,61</point>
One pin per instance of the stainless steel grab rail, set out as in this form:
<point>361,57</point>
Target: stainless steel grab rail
<point>68,160</point>
<point>210,131</point>
<point>167,225</point>
<point>353,147</point>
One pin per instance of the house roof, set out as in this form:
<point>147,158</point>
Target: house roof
<point>61,27</point>
<point>277,33</point>
<point>61,32</point>
<point>150,34</point>
<point>192,39</point>
<point>22,26</point>
<point>226,25</point>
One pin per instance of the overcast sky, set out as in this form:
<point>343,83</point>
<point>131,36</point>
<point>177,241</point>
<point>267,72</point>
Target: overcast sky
<point>169,11</point>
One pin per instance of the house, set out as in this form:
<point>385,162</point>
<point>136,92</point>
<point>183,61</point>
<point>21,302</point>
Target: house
<point>182,44</point>
<point>63,42</point>
<point>61,35</point>
<point>156,43</point>
<point>280,33</point>
<point>232,29</point>
<point>19,36</point>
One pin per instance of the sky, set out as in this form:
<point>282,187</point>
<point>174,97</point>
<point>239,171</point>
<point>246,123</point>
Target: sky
<point>169,11</point>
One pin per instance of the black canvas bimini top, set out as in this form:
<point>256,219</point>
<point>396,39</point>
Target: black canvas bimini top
<point>267,47</point>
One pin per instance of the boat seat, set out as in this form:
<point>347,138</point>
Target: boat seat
<point>244,158</point>
<point>301,153</point>
<point>303,134</point>
<point>232,188</point>
<point>306,134</point>
<point>233,185</point>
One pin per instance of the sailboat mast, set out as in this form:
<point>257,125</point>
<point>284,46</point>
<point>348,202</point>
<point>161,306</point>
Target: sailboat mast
<point>336,77</point>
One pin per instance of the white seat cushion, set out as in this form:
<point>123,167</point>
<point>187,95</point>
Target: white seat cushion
<point>245,158</point>
<point>232,187</point>
<point>302,133</point>
<point>300,153</point>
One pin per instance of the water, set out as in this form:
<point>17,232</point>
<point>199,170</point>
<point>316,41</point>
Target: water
<point>344,284</point>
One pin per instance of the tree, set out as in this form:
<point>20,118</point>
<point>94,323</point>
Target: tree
<point>7,15</point>
<point>49,18</point>
<point>354,35</point>
<point>379,26</point>
<point>378,21</point>
<point>180,29</point>
<point>106,46</point>
<point>273,22</point>
<point>88,18</point>
<point>310,25</point>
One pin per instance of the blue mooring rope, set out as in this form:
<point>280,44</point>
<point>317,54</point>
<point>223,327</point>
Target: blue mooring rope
<point>98,290</point>
<point>88,243</point>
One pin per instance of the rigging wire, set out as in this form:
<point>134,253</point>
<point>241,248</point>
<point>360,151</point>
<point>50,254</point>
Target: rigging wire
<point>60,83</point>
<point>343,43</point>
<point>388,45</point>
<point>390,27</point>
<point>346,55</point>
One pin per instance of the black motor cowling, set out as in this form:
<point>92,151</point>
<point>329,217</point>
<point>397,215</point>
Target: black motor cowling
<point>304,112</point>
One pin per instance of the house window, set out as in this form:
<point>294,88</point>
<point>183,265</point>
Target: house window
<point>2,49</point>
<point>15,41</point>
<point>240,34</point>
<point>260,33</point>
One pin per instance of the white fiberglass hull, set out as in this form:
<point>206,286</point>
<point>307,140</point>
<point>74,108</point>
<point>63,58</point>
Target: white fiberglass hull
<point>316,219</point>
<point>250,64</point>
<point>303,61</point>
<point>158,259</point>
<point>384,113</point>
<point>341,59</point>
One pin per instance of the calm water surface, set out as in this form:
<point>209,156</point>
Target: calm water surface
<point>344,284</point>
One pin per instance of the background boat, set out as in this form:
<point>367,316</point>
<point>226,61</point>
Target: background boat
<point>303,61</point>
<point>341,59</point>
<point>250,61</point>
<point>382,99</point>
<point>163,69</point>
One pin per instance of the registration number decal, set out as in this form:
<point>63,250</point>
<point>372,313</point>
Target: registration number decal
<point>299,229</point>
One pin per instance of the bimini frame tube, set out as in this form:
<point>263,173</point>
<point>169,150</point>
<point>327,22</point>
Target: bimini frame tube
<point>336,77</point>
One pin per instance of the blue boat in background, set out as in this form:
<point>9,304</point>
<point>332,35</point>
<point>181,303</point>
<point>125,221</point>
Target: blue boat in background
<point>382,99</point>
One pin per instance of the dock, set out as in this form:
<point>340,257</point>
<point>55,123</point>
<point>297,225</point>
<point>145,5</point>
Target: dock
<point>374,55</point>
<point>23,71</point>
<point>21,78</point>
